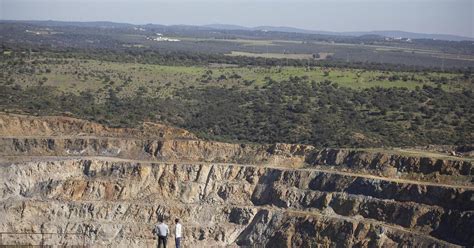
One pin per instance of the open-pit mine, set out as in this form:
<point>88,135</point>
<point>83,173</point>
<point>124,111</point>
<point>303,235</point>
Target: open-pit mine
<point>70,182</point>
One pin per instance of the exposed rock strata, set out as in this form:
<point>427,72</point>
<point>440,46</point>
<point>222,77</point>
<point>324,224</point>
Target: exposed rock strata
<point>63,175</point>
<point>117,203</point>
<point>404,163</point>
<point>20,125</point>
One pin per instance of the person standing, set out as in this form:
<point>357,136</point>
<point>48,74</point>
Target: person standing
<point>162,231</point>
<point>178,233</point>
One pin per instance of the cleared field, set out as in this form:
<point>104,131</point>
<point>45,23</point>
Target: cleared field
<point>244,42</point>
<point>280,55</point>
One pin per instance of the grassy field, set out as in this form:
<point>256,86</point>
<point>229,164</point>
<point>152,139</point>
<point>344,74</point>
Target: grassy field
<point>99,76</point>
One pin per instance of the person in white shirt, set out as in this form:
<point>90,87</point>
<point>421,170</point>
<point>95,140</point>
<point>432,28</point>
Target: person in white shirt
<point>178,233</point>
<point>162,231</point>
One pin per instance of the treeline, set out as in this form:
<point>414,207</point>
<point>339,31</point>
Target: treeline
<point>188,58</point>
<point>291,111</point>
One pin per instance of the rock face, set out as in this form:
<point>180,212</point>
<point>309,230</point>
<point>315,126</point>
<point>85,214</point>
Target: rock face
<point>378,160</point>
<point>108,191</point>
<point>20,125</point>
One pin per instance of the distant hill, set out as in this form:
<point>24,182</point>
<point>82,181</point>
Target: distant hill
<point>411,35</point>
<point>52,23</point>
<point>386,33</point>
<point>226,27</point>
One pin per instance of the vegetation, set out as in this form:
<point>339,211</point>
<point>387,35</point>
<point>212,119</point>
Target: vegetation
<point>127,43</point>
<point>76,75</point>
<point>245,104</point>
<point>301,96</point>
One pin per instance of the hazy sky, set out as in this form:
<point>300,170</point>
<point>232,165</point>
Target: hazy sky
<point>424,16</point>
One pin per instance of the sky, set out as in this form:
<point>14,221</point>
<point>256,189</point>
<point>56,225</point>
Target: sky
<point>423,16</point>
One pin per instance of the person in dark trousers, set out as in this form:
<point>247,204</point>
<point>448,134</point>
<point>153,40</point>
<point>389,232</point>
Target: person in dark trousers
<point>178,233</point>
<point>162,231</point>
